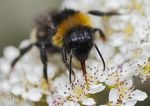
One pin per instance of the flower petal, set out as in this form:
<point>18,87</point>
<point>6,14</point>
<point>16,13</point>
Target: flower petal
<point>96,88</point>
<point>103,105</point>
<point>129,102</point>
<point>88,101</point>
<point>139,95</point>
<point>113,95</point>
<point>10,52</point>
<point>71,103</point>
<point>35,94</point>
<point>25,43</point>
<point>17,89</point>
<point>110,81</point>
<point>5,67</point>
<point>5,86</point>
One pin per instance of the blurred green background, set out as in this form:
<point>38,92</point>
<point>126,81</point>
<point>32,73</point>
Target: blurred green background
<point>16,19</point>
<point>16,22</point>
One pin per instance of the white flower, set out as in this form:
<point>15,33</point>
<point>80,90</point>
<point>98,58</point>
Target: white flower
<point>58,100</point>
<point>124,94</point>
<point>76,92</point>
<point>115,75</point>
<point>96,88</point>
<point>126,54</point>
<point>34,94</point>
<point>113,96</point>
<point>88,102</point>
<point>79,90</point>
<point>143,72</point>
<point>10,53</point>
<point>4,66</point>
<point>86,4</point>
<point>138,53</point>
<point>26,79</point>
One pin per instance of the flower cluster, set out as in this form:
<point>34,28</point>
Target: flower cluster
<point>126,53</point>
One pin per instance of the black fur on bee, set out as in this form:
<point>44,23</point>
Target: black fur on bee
<point>69,33</point>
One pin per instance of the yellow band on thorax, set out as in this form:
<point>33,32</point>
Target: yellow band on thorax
<point>74,20</point>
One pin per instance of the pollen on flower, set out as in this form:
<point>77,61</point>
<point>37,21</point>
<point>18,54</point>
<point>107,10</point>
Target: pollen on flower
<point>124,92</point>
<point>146,68</point>
<point>76,91</point>
<point>129,30</point>
<point>137,5</point>
<point>144,71</point>
<point>137,52</point>
<point>45,87</point>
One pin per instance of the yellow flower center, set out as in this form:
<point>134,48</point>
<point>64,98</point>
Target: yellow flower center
<point>129,30</point>
<point>146,68</point>
<point>78,91</point>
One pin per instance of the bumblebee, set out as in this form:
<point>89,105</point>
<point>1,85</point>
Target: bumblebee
<point>69,33</point>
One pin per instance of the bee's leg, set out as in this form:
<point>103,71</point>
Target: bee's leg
<point>43,56</point>
<point>22,52</point>
<point>84,70</point>
<point>68,66</point>
<point>101,33</point>
<point>100,13</point>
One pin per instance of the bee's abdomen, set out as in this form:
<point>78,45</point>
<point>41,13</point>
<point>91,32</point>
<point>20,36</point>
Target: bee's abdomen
<point>48,22</point>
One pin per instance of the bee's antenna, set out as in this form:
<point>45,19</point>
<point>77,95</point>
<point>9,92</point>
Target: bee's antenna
<point>68,65</point>
<point>104,66</point>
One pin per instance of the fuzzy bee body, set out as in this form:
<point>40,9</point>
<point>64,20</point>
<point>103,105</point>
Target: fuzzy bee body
<point>68,33</point>
<point>50,27</point>
<point>55,26</point>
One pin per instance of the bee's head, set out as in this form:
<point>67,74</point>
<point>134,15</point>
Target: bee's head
<point>79,42</point>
